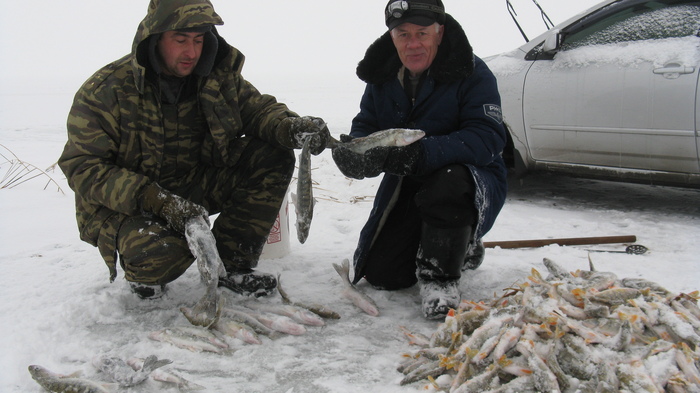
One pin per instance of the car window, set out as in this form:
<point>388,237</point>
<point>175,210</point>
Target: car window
<point>647,21</point>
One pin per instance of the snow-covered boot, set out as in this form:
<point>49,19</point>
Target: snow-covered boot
<point>249,282</point>
<point>145,291</point>
<point>475,255</point>
<point>439,266</point>
<point>439,297</point>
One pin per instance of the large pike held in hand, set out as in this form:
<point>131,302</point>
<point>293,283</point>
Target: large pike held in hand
<point>203,246</point>
<point>64,383</point>
<point>390,137</point>
<point>303,200</point>
<point>357,297</point>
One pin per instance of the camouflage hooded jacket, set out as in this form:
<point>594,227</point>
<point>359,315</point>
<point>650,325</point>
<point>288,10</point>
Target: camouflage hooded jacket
<point>115,127</point>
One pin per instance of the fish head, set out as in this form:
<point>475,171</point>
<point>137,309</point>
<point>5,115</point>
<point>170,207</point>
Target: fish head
<point>303,227</point>
<point>410,136</point>
<point>37,371</point>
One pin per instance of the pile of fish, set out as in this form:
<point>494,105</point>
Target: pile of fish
<point>583,331</point>
<point>247,323</point>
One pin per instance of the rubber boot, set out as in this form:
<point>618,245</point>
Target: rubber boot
<point>475,255</point>
<point>439,266</point>
<point>145,291</point>
<point>249,282</point>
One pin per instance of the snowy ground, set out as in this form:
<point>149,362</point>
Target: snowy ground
<point>59,310</point>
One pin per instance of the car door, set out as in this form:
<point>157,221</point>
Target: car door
<point>622,92</point>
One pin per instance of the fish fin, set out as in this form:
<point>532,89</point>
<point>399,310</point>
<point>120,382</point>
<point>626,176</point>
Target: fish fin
<point>151,363</point>
<point>294,199</point>
<point>75,374</point>
<point>590,263</point>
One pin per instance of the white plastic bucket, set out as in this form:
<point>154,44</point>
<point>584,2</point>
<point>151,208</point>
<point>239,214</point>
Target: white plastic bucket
<point>277,245</point>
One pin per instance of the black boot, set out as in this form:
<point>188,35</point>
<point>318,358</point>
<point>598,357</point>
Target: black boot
<point>475,255</point>
<point>440,258</point>
<point>145,291</point>
<point>249,282</point>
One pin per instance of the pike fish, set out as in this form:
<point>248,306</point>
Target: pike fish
<point>390,137</point>
<point>303,200</point>
<point>64,383</point>
<point>123,374</point>
<point>203,246</point>
<point>350,292</point>
<point>161,375</point>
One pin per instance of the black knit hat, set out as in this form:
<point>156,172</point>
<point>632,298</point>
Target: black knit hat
<point>419,12</point>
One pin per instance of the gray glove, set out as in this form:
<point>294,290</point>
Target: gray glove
<point>174,209</point>
<point>293,131</point>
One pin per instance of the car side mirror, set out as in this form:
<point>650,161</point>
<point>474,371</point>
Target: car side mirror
<point>551,43</point>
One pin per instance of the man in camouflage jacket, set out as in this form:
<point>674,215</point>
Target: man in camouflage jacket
<point>170,132</point>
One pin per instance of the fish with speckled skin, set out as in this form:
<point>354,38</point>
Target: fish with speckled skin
<point>64,383</point>
<point>303,200</point>
<point>390,137</point>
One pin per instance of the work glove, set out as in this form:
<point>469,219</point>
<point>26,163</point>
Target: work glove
<point>174,209</point>
<point>351,164</point>
<point>293,131</point>
<point>400,161</point>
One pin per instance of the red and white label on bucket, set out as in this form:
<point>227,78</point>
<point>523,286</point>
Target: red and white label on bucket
<point>275,235</point>
<point>277,245</point>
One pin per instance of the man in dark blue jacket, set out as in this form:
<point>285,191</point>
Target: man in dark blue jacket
<point>439,195</point>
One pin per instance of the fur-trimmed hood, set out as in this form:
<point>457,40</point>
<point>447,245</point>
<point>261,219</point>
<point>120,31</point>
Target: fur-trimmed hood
<point>454,60</point>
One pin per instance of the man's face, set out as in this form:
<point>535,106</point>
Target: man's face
<point>417,45</point>
<point>180,52</point>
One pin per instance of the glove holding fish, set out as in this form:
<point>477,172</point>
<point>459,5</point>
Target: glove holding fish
<point>391,151</point>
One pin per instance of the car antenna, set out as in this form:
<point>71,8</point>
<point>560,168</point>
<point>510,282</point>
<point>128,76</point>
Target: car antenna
<point>547,22</point>
<point>513,15</point>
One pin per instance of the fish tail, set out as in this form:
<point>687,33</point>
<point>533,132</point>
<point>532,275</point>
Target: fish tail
<point>343,270</point>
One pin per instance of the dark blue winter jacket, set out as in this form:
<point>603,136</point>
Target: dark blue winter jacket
<point>459,108</point>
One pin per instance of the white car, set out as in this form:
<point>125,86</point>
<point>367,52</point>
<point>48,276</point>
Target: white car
<point>610,93</point>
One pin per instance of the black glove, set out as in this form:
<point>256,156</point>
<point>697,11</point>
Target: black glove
<point>351,164</point>
<point>401,161</point>
<point>174,209</point>
<point>293,131</point>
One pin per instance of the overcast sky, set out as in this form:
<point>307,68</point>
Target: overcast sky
<point>70,39</point>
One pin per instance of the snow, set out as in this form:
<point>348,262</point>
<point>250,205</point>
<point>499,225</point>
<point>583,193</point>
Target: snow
<point>659,52</point>
<point>60,311</point>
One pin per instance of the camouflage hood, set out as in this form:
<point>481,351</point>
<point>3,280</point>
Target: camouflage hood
<point>166,15</point>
